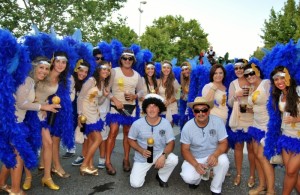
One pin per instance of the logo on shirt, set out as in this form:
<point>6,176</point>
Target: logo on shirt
<point>162,132</point>
<point>212,132</point>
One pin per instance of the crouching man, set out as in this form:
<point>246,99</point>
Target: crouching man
<point>160,130</point>
<point>203,146</point>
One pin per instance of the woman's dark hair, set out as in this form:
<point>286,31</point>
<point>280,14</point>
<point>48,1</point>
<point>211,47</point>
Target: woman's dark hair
<point>292,98</point>
<point>79,83</point>
<point>62,76</point>
<point>213,70</point>
<point>169,85</point>
<point>127,51</point>
<point>96,75</point>
<point>248,66</point>
<point>153,79</point>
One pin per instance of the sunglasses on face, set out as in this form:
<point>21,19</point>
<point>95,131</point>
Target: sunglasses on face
<point>249,74</point>
<point>238,68</point>
<point>99,58</point>
<point>130,58</point>
<point>197,111</point>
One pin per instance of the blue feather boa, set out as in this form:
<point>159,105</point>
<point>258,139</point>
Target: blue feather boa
<point>63,125</point>
<point>256,133</point>
<point>289,144</point>
<point>12,75</point>
<point>98,126</point>
<point>237,137</point>
<point>120,119</point>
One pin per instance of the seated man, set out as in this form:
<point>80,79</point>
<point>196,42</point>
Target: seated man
<point>203,146</point>
<point>160,129</point>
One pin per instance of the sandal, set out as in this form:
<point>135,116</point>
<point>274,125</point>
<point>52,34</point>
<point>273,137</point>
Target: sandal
<point>251,181</point>
<point>237,180</point>
<point>5,188</point>
<point>110,169</point>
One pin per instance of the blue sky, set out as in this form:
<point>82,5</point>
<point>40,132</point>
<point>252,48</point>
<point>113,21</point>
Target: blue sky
<point>232,25</point>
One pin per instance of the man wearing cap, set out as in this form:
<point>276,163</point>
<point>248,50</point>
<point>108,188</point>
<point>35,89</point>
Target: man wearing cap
<point>203,146</point>
<point>161,131</point>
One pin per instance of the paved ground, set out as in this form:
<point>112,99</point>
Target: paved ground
<point>119,184</point>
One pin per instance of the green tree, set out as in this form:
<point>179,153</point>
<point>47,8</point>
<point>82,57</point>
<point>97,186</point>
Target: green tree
<point>258,53</point>
<point>282,26</point>
<point>171,36</point>
<point>63,15</point>
<point>118,30</point>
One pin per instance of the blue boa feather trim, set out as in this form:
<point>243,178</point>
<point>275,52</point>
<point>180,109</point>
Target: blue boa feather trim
<point>289,144</point>
<point>256,133</point>
<point>120,119</point>
<point>98,126</point>
<point>12,75</point>
<point>34,125</point>
<point>63,125</point>
<point>18,138</point>
<point>237,137</point>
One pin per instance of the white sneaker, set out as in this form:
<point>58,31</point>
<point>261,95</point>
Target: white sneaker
<point>101,164</point>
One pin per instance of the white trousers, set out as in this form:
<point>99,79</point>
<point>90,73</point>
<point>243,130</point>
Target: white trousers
<point>139,170</point>
<point>191,176</point>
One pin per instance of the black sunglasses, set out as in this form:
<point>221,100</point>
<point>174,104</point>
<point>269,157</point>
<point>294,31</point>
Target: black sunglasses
<point>238,67</point>
<point>97,58</point>
<point>130,58</point>
<point>249,74</point>
<point>205,110</point>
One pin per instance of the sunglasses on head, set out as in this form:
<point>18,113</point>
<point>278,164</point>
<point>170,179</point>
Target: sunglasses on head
<point>197,111</point>
<point>101,58</point>
<point>130,58</point>
<point>249,74</point>
<point>238,68</point>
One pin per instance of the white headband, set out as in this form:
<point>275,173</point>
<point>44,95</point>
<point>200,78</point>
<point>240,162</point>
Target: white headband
<point>42,62</point>
<point>166,64</point>
<point>279,74</point>
<point>104,67</point>
<point>150,66</point>
<point>154,95</point>
<point>83,67</point>
<point>184,67</point>
<point>239,64</point>
<point>248,70</point>
<point>129,54</point>
<point>61,58</point>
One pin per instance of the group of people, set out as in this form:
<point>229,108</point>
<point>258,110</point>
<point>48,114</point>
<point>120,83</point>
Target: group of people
<point>97,103</point>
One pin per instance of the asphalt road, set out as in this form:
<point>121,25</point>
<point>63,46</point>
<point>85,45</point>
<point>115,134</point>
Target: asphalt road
<point>119,184</point>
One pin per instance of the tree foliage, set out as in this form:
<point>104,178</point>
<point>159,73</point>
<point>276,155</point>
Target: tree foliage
<point>282,26</point>
<point>118,30</point>
<point>64,15</point>
<point>171,36</point>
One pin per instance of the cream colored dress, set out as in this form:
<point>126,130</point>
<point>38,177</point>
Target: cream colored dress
<point>172,108</point>
<point>122,84</point>
<point>25,96</point>
<point>220,108</point>
<point>258,101</point>
<point>245,119</point>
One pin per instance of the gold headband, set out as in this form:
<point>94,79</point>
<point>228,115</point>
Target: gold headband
<point>78,65</point>
<point>257,72</point>
<point>287,78</point>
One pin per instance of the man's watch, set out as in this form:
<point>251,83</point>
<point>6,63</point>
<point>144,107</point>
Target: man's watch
<point>165,154</point>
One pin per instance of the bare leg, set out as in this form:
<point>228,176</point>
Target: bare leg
<point>298,184</point>
<point>28,179</point>
<point>125,142</point>
<point>268,169</point>
<point>102,149</point>
<point>95,140</point>
<point>55,157</point>
<point>4,175</point>
<point>16,174</point>
<point>238,158</point>
<point>47,152</point>
<point>292,167</point>
<point>261,177</point>
<point>110,142</point>
<point>251,159</point>
<point>85,147</point>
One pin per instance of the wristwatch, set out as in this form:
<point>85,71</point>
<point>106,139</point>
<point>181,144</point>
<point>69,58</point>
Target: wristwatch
<point>165,154</point>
